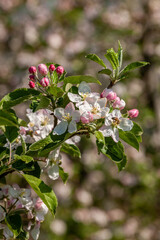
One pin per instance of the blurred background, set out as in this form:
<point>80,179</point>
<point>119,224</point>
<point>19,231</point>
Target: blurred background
<point>97,203</point>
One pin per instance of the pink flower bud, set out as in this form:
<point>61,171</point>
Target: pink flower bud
<point>38,204</point>
<point>32,78</point>
<point>109,94</point>
<point>31,84</point>
<point>32,70</point>
<point>87,117</point>
<point>52,68</point>
<point>22,130</point>
<point>133,113</point>
<point>60,70</point>
<point>44,82</point>
<point>122,104</point>
<point>116,102</point>
<point>42,68</point>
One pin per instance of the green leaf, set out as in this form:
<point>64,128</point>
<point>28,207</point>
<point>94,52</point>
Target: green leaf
<point>121,165</point>
<point>80,78</point>
<point>44,102</point>
<point>105,71</point>
<point>100,141</point>
<point>129,138</point>
<point>23,235</point>
<point>134,65</point>
<point>4,152</point>
<point>137,131</point>
<point>43,191</point>
<point>3,140</point>
<point>18,96</point>
<point>55,91</point>
<point>63,175</point>
<point>112,57</point>
<point>96,59</point>
<point>14,223</point>
<point>24,147</point>
<point>54,77</point>
<point>24,158</point>
<point>7,119</point>
<point>71,149</point>
<point>40,144</point>
<point>11,133</point>
<point>120,54</point>
<point>113,150</point>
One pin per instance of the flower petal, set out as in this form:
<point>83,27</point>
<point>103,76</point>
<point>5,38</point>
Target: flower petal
<point>116,113</point>
<point>74,97</point>
<point>84,88</point>
<point>76,116</point>
<point>115,135</point>
<point>61,128</point>
<point>53,172</point>
<point>72,127</point>
<point>59,113</point>
<point>102,102</point>
<point>125,124</point>
<point>69,108</point>
<point>106,131</point>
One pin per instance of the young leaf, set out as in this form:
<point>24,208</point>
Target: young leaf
<point>120,54</point>
<point>121,165</point>
<point>54,77</point>
<point>80,78</point>
<point>11,133</point>
<point>137,131</point>
<point>8,119</point>
<point>112,57</point>
<point>55,91</point>
<point>24,147</point>
<point>96,59</point>
<point>24,158</point>
<point>3,140</point>
<point>63,175</point>
<point>14,223</point>
<point>40,144</point>
<point>43,191</point>
<point>44,102</point>
<point>71,149</point>
<point>105,71</point>
<point>129,138</point>
<point>18,96</point>
<point>133,66</point>
<point>100,141</point>
<point>4,152</point>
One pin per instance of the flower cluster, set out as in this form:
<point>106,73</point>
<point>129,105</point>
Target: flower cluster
<point>41,77</point>
<point>15,199</point>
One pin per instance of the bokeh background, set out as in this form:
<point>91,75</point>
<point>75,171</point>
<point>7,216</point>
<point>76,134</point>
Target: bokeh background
<point>97,203</point>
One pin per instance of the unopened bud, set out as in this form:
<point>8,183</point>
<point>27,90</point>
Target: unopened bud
<point>87,117</point>
<point>42,68</point>
<point>133,113</point>
<point>60,70</point>
<point>44,82</point>
<point>52,68</point>
<point>32,70</point>
<point>32,78</point>
<point>31,84</point>
<point>109,94</point>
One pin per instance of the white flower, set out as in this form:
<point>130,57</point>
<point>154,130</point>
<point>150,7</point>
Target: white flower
<point>7,233</point>
<point>41,210</point>
<point>68,118</point>
<point>97,107</point>
<point>54,158</point>
<point>113,121</point>
<point>73,140</point>
<point>84,91</point>
<point>35,231</point>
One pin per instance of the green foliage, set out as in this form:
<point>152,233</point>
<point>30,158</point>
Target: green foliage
<point>11,133</point>
<point>133,66</point>
<point>8,119</point>
<point>129,138</point>
<point>78,79</point>
<point>43,191</point>
<point>14,223</point>
<point>96,59</point>
<point>4,152</point>
<point>44,102</point>
<point>112,57</point>
<point>55,91</point>
<point>71,149</point>
<point>105,71</point>
<point>64,176</point>
<point>24,158</point>
<point>18,96</point>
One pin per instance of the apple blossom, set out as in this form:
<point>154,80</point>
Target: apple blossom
<point>119,103</point>
<point>32,78</point>
<point>133,113</point>
<point>86,117</point>
<point>60,70</point>
<point>32,70</point>
<point>44,82</point>
<point>52,68</point>
<point>109,94</point>
<point>42,68</point>
<point>31,84</point>
<point>68,118</point>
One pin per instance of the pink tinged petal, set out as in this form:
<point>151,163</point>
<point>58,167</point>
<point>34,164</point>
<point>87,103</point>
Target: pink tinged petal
<point>122,104</point>
<point>102,102</point>
<point>75,116</point>
<point>111,96</point>
<point>83,88</point>
<point>72,127</point>
<point>74,97</point>
<point>53,172</point>
<point>125,124</point>
<point>91,101</point>
<point>87,117</point>
<point>116,102</point>
<point>85,107</point>
<point>94,95</point>
<point>61,128</point>
<point>105,92</point>
<point>59,113</point>
<point>70,107</point>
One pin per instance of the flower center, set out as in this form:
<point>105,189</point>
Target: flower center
<point>31,124</point>
<point>67,117</point>
<point>45,122</point>
<point>94,110</point>
<point>115,121</point>
<point>84,96</point>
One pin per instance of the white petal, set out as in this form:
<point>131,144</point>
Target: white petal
<point>106,131</point>
<point>61,128</point>
<point>115,135</point>
<point>125,124</point>
<point>91,101</point>
<point>94,95</point>
<point>53,172</point>
<point>76,116</point>
<point>69,108</point>
<point>116,113</point>
<point>104,112</point>
<point>84,88</point>
<point>35,232</point>
<point>74,97</point>
<point>85,107</point>
<point>55,155</point>
<point>102,102</point>
<point>72,127</point>
<point>59,113</point>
